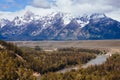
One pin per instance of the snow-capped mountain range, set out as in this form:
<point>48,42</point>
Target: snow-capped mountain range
<point>59,26</point>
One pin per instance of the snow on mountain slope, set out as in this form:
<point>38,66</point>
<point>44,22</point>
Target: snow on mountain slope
<point>49,18</point>
<point>67,18</point>
<point>3,22</point>
<point>57,26</point>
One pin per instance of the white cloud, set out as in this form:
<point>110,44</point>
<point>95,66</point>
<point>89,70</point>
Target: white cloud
<point>75,7</point>
<point>37,11</point>
<point>114,15</point>
<point>41,3</point>
<point>11,15</point>
<point>81,7</point>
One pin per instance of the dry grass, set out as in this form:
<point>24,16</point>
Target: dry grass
<point>80,44</point>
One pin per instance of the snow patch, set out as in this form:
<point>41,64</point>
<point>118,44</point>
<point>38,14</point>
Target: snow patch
<point>67,18</point>
<point>3,22</point>
<point>83,24</point>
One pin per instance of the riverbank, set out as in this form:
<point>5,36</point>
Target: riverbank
<point>100,59</point>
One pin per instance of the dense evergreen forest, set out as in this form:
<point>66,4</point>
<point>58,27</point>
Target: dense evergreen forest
<point>20,63</point>
<point>110,70</point>
<point>44,62</point>
<point>11,67</point>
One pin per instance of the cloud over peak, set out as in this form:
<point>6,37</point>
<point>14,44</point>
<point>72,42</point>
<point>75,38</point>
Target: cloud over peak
<point>75,7</point>
<point>80,7</point>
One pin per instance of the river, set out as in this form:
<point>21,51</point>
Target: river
<point>97,61</point>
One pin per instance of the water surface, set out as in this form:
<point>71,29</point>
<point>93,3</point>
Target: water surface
<point>100,59</point>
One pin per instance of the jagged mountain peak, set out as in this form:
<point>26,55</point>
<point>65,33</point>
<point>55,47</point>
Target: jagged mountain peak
<point>66,17</point>
<point>29,15</point>
<point>3,22</point>
<point>59,26</point>
<point>49,19</point>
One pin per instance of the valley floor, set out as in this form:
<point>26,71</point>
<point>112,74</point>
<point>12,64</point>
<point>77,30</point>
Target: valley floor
<point>48,45</point>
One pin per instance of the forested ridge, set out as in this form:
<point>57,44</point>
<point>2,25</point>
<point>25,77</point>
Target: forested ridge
<point>11,67</point>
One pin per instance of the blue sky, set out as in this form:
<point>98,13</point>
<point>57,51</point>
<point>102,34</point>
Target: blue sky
<point>13,5</point>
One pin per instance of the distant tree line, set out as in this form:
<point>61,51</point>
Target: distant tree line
<point>11,47</point>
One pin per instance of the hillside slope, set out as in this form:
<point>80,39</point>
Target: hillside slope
<point>11,66</point>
